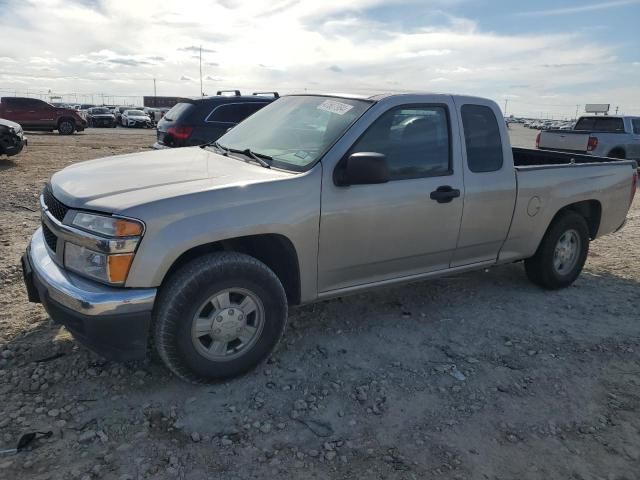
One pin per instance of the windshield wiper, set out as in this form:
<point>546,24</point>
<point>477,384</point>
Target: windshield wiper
<point>225,150</point>
<point>258,157</point>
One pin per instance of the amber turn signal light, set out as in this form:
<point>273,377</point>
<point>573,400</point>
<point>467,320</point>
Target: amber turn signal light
<point>119,267</point>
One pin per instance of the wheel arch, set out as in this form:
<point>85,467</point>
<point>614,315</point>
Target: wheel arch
<point>590,210</point>
<point>62,119</point>
<point>617,152</point>
<point>276,251</point>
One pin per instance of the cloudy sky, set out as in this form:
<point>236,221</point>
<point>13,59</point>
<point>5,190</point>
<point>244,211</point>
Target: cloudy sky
<point>544,57</point>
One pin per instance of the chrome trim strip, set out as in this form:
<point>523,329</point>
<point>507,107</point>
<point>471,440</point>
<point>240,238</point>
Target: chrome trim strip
<point>86,239</point>
<point>80,294</point>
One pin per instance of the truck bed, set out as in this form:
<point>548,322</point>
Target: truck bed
<point>527,157</point>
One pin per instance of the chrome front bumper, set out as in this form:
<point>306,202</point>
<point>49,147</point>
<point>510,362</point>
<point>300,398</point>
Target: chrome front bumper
<point>79,294</point>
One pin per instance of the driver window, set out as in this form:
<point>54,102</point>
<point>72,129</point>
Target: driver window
<point>415,141</point>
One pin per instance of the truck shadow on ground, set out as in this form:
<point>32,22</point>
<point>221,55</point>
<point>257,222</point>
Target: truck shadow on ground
<point>6,164</point>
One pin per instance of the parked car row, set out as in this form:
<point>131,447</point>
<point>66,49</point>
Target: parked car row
<point>549,124</point>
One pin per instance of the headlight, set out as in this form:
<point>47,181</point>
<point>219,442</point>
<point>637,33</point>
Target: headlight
<point>102,267</point>
<point>108,226</point>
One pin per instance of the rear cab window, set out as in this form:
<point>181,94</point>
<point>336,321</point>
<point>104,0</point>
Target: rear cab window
<point>636,125</point>
<point>482,138</point>
<point>600,124</point>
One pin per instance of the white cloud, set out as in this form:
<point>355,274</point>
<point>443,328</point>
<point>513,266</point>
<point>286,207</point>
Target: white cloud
<point>590,7</point>
<point>288,46</point>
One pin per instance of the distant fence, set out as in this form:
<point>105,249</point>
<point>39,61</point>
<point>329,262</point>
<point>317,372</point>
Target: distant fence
<point>75,98</point>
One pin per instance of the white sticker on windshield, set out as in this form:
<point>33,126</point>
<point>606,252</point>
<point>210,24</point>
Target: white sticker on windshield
<point>332,106</point>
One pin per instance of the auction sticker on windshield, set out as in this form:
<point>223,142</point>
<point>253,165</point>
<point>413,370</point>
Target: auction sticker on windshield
<point>332,106</point>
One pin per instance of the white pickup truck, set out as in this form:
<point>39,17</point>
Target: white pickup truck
<point>200,251</point>
<point>599,135</point>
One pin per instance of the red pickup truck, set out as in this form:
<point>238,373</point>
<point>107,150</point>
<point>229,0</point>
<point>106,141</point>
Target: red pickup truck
<point>35,114</point>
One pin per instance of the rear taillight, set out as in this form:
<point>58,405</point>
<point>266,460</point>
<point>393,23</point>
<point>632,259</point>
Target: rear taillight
<point>592,144</point>
<point>538,139</point>
<point>180,133</point>
<point>634,186</point>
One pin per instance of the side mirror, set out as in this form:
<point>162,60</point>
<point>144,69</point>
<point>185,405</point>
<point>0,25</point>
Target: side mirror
<point>362,168</point>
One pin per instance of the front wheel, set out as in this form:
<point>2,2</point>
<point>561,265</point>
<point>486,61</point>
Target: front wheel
<point>66,127</point>
<point>218,317</point>
<point>561,254</point>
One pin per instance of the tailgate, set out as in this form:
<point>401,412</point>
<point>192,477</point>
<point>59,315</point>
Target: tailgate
<point>564,140</point>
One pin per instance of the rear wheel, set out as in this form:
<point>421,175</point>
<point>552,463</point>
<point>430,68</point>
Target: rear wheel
<point>561,254</point>
<point>66,127</point>
<point>218,317</point>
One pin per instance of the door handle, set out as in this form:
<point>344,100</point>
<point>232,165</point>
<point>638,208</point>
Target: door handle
<point>444,194</point>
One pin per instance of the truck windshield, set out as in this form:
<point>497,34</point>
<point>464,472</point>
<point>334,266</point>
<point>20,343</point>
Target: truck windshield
<point>295,130</point>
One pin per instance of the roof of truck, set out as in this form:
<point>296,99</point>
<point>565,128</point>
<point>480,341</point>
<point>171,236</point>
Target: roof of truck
<point>375,97</point>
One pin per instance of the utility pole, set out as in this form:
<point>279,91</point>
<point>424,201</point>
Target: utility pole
<point>617,110</point>
<point>506,101</point>
<point>201,92</point>
<point>577,108</point>
<point>154,87</point>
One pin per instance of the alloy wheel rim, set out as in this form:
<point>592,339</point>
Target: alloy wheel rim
<point>227,324</point>
<point>566,252</point>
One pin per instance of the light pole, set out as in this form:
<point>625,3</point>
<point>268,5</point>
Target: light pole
<point>201,92</point>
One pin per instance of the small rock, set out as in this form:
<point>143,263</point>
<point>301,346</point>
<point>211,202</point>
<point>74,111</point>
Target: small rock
<point>265,427</point>
<point>195,437</point>
<point>87,436</point>
<point>330,455</point>
<point>53,412</point>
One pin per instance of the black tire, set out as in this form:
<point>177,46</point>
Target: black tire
<point>183,294</point>
<point>66,127</point>
<point>540,268</point>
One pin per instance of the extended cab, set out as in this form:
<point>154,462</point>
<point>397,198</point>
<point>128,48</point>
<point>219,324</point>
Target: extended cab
<point>35,114</point>
<point>203,249</point>
<point>600,135</point>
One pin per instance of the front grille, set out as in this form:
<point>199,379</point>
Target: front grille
<point>57,209</point>
<point>49,237</point>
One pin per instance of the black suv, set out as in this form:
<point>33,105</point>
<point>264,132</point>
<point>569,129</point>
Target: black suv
<point>196,122</point>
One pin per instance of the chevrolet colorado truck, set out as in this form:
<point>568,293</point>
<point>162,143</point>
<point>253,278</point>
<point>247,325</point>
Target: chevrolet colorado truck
<point>600,135</point>
<point>35,114</point>
<point>198,252</point>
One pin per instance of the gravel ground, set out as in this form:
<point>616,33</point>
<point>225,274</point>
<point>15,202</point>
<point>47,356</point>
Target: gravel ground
<point>476,376</point>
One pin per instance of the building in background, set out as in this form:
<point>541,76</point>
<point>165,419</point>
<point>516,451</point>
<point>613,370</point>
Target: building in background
<point>160,102</point>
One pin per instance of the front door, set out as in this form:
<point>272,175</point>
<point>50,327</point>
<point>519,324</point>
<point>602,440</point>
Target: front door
<point>372,233</point>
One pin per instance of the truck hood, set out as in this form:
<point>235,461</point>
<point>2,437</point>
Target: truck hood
<point>114,184</point>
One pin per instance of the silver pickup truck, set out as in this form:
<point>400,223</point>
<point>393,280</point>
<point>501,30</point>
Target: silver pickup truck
<point>599,135</point>
<point>199,252</point>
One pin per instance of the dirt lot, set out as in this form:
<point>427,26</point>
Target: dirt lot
<point>477,376</point>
